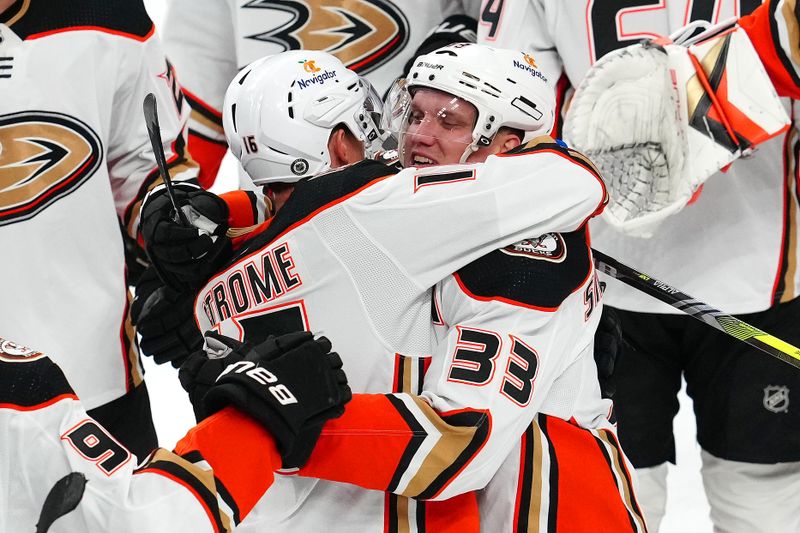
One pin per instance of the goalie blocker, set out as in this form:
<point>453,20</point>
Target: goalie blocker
<point>712,102</point>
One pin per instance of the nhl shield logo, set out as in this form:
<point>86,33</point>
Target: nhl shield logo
<point>776,398</point>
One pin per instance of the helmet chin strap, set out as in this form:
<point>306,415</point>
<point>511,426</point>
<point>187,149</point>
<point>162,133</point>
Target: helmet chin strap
<point>468,151</point>
<point>472,148</point>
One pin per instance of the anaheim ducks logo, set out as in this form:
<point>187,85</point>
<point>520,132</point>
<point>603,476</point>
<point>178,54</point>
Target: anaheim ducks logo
<point>363,34</point>
<point>16,353</point>
<point>549,247</point>
<point>44,156</point>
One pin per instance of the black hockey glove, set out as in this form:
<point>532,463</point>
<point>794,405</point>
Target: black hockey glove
<point>454,29</point>
<point>186,256</point>
<point>165,320</point>
<point>608,343</point>
<point>288,390</point>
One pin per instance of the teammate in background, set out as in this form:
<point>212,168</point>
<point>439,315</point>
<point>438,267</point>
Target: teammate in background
<point>75,162</point>
<point>211,481</point>
<point>748,430</point>
<point>344,226</point>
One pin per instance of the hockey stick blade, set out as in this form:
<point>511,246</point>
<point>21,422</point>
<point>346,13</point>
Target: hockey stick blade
<point>705,313</point>
<point>154,132</point>
<point>63,498</point>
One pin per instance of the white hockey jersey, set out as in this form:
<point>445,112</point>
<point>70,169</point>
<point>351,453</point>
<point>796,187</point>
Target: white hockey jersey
<point>75,159</point>
<point>351,256</point>
<point>518,410</point>
<point>736,246</point>
<point>210,40</point>
<point>211,481</point>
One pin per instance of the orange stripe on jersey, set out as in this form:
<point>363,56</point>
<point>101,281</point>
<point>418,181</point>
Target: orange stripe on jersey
<point>759,26</point>
<point>51,401</point>
<point>588,493</point>
<point>370,422</point>
<point>458,514</point>
<point>248,473</point>
<point>241,211</point>
<point>208,154</point>
<point>140,38</point>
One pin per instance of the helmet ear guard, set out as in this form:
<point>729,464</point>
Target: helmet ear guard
<point>280,110</point>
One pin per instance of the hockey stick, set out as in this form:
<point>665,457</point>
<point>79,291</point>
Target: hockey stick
<point>63,498</point>
<point>705,313</point>
<point>154,132</point>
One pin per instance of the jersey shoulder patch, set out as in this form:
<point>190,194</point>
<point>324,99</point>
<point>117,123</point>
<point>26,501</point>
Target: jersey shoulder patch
<point>540,272</point>
<point>125,17</point>
<point>29,378</point>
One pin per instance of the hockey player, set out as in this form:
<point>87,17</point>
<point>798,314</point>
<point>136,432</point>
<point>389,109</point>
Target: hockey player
<point>216,474</point>
<point>75,162</point>
<point>749,433</point>
<point>514,332</point>
<point>272,154</point>
<point>373,37</point>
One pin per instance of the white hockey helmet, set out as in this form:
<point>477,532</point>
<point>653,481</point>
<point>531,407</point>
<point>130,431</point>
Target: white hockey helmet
<point>279,112</point>
<point>505,86</point>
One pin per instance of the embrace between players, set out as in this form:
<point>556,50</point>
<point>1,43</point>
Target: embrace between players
<point>463,306</point>
<point>459,292</point>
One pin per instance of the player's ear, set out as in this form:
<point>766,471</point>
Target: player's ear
<point>344,147</point>
<point>507,139</point>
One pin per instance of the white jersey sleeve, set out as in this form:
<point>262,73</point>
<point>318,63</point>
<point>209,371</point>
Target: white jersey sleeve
<point>426,219</point>
<point>131,162</point>
<point>204,485</point>
<point>200,41</point>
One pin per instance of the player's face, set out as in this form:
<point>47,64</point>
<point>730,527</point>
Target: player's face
<point>438,129</point>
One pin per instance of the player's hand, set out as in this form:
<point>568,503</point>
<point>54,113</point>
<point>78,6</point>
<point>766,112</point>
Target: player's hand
<point>186,256</point>
<point>608,343</point>
<point>288,383</point>
<point>165,320</point>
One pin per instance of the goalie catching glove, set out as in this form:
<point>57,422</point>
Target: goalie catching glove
<point>660,117</point>
<point>185,256</point>
<point>291,384</point>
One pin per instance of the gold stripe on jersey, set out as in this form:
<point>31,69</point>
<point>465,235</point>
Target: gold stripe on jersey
<point>397,506</point>
<point>206,122</point>
<point>623,480</point>
<point>455,447</point>
<point>200,481</point>
<point>19,14</point>
<point>545,142</point>
<point>130,347</point>
<point>790,19</point>
<point>788,261</point>
<point>535,507</point>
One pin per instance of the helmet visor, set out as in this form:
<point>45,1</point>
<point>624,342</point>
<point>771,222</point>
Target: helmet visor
<point>370,119</point>
<point>432,127</point>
